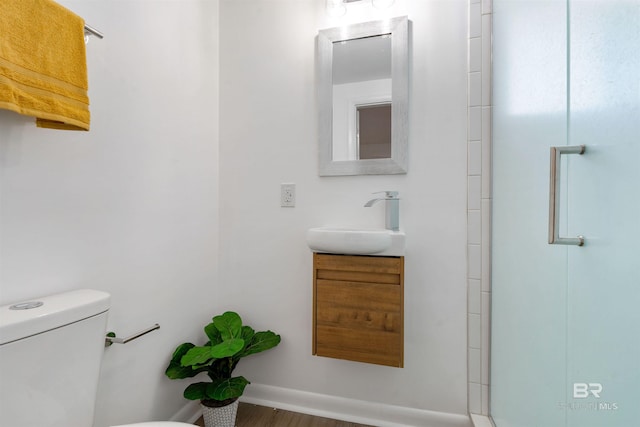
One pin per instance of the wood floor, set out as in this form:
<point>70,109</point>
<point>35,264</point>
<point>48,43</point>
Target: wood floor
<point>260,416</point>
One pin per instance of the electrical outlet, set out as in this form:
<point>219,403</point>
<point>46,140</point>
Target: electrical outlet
<point>287,195</point>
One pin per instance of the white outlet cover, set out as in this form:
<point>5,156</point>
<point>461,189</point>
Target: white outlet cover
<point>287,195</point>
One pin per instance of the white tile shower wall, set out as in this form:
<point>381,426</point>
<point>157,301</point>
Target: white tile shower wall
<point>479,205</point>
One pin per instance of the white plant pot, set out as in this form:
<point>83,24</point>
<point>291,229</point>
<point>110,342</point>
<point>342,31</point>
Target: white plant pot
<point>224,416</point>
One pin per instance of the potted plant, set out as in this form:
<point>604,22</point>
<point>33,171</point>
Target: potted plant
<point>229,341</point>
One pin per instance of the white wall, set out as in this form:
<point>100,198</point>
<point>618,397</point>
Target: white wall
<point>131,206</point>
<point>268,136</point>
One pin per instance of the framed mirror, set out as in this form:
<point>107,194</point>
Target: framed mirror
<point>363,95</point>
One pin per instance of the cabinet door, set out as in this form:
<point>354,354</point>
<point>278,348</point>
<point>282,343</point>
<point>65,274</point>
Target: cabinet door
<point>358,308</point>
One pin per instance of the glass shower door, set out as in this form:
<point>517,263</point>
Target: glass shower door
<point>603,290</point>
<point>528,352</point>
<point>565,319</point>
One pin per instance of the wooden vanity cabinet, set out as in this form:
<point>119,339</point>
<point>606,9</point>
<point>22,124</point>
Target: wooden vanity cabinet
<point>358,308</point>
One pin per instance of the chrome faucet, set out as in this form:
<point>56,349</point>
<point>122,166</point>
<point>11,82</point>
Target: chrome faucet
<point>391,210</point>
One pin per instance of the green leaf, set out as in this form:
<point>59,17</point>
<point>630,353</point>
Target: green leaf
<point>247,333</point>
<point>213,334</point>
<point>227,348</point>
<point>220,369</point>
<point>181,350</point>
<point>261,341</point>
<point>180,372</point>
<point>196,356</point>
<point>227,389</point>
<point>196,391</point>
<point>229,324</point>
<point>175,370</point>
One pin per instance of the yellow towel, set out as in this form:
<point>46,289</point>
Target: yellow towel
<point>43,67</point>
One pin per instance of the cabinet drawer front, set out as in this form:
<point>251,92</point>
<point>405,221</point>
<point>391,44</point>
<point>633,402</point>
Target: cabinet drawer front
<point>358,276</point>
<point>369,264</point>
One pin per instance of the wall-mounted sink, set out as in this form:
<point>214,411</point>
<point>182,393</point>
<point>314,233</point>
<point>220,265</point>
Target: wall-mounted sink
<point>353,241</point>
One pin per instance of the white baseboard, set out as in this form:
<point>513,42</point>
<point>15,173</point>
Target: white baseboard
<point>352,410</point>
<point>481,421</point>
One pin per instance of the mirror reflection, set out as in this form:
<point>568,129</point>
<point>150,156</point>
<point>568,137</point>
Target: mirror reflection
<point>362,98</point>
<point>373,131</point>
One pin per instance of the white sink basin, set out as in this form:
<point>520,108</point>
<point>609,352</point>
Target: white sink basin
<point>354,241</point>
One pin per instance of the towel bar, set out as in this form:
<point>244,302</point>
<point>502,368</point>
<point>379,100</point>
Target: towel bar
<point>112,339</point>
<point>92,31</point>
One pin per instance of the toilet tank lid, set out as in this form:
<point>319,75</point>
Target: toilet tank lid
<point>46,313</point>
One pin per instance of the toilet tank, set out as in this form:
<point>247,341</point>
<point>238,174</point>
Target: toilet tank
<point>50,354</point>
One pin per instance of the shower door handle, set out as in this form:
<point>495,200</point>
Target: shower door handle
<point>554,196</point>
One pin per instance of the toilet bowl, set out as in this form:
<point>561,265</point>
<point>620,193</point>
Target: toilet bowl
<point>50,352</point>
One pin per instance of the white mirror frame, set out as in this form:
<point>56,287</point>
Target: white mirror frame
<point>397,164</point>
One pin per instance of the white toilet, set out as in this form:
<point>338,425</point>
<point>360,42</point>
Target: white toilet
<point>50,354</point>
